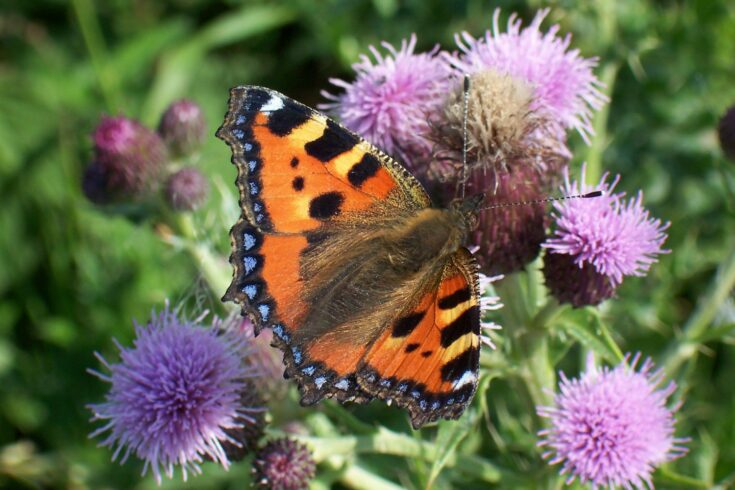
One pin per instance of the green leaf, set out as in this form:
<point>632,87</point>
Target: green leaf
<point>590,337</point>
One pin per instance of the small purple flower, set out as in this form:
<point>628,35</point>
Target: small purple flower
<point>283,464</point>
<point>187,189</point>
<point>604,238</point>
<point>563,81</point>
<point>612,427</point>
<point>183,127</point>
<point>391,100</point>
<point>128,161</point>
<point>175,395</point>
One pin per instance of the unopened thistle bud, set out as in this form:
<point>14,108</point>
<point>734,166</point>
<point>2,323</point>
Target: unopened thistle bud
<point>187,189</point>
<point>128,161</point>
<point>183,127</point>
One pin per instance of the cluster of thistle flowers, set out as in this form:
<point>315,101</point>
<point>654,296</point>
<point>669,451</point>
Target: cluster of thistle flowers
<point>527,89</point>
<point>132,163</point>
<point>187,392</point>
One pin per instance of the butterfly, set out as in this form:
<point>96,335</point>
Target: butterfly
<point>367,288</point>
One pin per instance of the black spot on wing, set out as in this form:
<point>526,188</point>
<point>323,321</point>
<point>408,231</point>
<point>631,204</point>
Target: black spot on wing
<point>363,170</point>
<point>297,183</point>
<point>286,119</point>
<point>427,353</point>
<point>456,298</point>
<point>411,347</point>
<point>465,323</point>
<point>326,206</point>
<point>334,141</point>
<point>454,369</point>
<point>294,162</point>
<point>404,326</point>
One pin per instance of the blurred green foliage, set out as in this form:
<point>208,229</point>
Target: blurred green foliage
<point>72,277</point>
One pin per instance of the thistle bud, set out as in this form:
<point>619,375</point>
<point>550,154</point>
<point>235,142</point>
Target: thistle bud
<point>183,127</point>
<point>250,425</point>
<point>187,189</point>
<point>509,237</point>
<point>128,162</point>
<point>283,464</point>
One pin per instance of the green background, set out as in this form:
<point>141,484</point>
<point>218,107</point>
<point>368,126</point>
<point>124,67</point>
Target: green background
<point>72,277</point>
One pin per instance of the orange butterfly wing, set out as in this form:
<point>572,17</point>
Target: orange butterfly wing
<point>298,170</point>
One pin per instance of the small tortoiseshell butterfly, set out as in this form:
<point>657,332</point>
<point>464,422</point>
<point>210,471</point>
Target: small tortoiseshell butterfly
<point>367,288</point>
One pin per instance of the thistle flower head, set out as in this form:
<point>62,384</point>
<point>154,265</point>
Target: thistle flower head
<point>187,189</point>
<point>183,127</point>
<point>502,129</point>
<point>612,427</point>
<point>617,237</point>
<point>392,97</point>
<point>174,396</point>
<point>283,464</point>
<point>563,82</point>
<point>128,160</point>
<point>508,237</point>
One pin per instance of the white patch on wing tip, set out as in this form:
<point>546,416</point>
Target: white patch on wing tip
<point>468,377</point>
<point>273,104</point>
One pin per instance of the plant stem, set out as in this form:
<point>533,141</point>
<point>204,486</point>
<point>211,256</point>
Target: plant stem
<point>212,266</point>
<point>536,370</point>
<point>599,124</point>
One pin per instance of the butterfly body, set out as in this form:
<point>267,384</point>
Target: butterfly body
<point>367,288</point>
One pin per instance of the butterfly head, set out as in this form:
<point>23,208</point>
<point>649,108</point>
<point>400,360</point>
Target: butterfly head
<point>466,209</point>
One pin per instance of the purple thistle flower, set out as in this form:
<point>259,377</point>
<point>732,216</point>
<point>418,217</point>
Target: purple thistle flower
<point>612,427</point>
<point>563,81</point>
<point>619,238</point>
<point>391,100</point>
<point>283,464</point>
<point>128,161</point>
<point>182,127</point>
<point>174,396</point>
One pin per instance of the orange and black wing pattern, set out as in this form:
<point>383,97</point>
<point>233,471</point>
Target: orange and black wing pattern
<point>428,360</point>
<point>298,171</point>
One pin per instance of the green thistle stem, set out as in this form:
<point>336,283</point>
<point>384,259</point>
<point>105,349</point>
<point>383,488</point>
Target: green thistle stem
<point>212,265</point>
<point>536,371</point>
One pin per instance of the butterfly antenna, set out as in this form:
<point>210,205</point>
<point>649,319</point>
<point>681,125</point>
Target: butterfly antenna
<point>465,101</point>
<point>545,200</point>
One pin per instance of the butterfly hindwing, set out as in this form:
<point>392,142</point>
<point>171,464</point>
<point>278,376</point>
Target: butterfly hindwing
<point>299,173</point>
<point>428,360</point>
